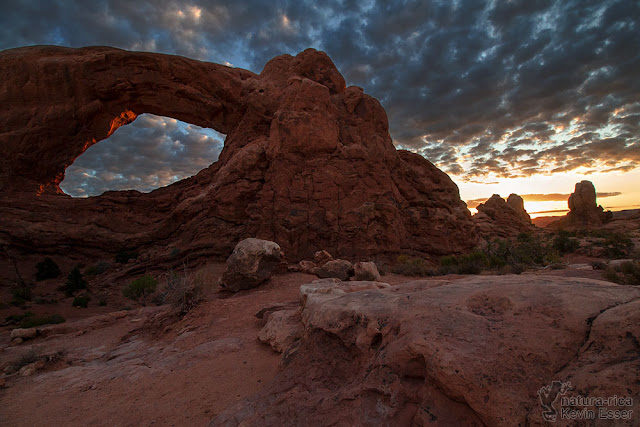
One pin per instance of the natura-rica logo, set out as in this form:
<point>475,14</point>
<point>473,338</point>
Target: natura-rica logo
<point>549,395</point>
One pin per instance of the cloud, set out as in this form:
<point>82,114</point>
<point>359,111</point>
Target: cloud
<point>151,152</point>
<point>483,89</point>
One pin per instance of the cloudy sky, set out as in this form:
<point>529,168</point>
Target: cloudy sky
<point>526,96</point>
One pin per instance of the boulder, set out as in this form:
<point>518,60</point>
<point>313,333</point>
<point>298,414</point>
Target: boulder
<point>250,264</point>
<point>366,271</point>
<point>24,334</point>
<point>32,368</point>
<point>281,329</point>
<point>338,268</point>
<point>320,258</point>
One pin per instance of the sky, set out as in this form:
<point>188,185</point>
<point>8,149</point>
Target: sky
<point>524,96</point>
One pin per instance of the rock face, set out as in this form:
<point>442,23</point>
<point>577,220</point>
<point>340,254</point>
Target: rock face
<point>584,212</point>
<point>250,264</point>
<point>307,162</point>
<point>475,351</point>
<point>497,217</point>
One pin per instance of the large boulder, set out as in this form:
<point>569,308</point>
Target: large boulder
<point>338,268</point>
<point>307,162</point>
<point>584,211</point>
<point>250,264</point>
<point>367,271</point>
<point>474,351</point>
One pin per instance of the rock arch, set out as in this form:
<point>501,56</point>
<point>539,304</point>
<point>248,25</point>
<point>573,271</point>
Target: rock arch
<point>307,162</point>
<point>59,101</point>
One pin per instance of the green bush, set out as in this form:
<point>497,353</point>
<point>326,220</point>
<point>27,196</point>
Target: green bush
<point>412,266</point>
<point>47,269</point>
<point>97,268</point>
<point>183,292</point>
<point>141,288</point>
<point>32,322</point>
<point>21,295</point>
<point>29,320</point>
<point>618,245</point>
<point>124,256</point>
<point>564,243</point>
<point>81,301</point>
<point>627,273</point>
<point>471,263</point>
<point>75,282</point>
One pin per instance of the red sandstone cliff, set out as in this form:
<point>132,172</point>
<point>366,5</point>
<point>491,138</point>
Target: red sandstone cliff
<point>307,162</point>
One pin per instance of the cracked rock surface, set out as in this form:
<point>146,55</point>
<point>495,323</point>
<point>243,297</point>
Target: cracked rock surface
<point>473,351</point>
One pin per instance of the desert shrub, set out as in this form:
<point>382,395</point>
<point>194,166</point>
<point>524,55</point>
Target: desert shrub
<point>564,243</point>
<point>34,355</point>
<point>174,252</point>
<point>75,282</point>
<point>15,319</point>
<point>527,252</point>
<point>141,288</point>
<point>412,266</point>
<point>47,269</point>
<point>123,257</point>
<point>102,300</point>
<point>20,295</point>
<point>183,292</point>
<point>618,245</point>
<point>31,356</point>
<point>97,268</point>
<point>34,321</point>
<point>81,301</point>
<point>471,263</point>
<point>627,273</point>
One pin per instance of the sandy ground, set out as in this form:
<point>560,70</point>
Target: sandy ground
<point>145,367</point>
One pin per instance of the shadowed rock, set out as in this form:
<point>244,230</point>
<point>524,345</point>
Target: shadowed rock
<point>499,218</point>
<point>307,162</point>
<point>584,212</point>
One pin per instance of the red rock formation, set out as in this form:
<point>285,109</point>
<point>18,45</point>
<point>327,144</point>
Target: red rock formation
<point>499,218</point>
<point>474,351</point>
<point>307,162</point>
<point>584,212</point>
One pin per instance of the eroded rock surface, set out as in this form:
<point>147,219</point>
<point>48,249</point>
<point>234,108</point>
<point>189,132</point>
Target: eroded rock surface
<point>474,351</point>
<point>307,162</point>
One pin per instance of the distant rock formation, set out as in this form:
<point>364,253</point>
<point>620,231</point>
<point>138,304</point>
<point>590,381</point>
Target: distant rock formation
<point>584,212</point>
<point>307,163</point>
<point>499,218</point>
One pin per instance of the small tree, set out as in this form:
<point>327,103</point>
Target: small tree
<point>140,288</point>
<point>47,269</point>
<point>75,282</point>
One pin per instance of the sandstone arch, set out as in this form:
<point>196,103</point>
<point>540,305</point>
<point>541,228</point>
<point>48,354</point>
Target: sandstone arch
<point>307,162</point>
<point>60,101</point>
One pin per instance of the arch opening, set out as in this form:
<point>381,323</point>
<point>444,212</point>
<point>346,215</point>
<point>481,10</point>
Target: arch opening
<point>151,152</point>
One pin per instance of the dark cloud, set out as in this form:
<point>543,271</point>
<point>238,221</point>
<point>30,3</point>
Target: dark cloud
<point>481,88</point>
